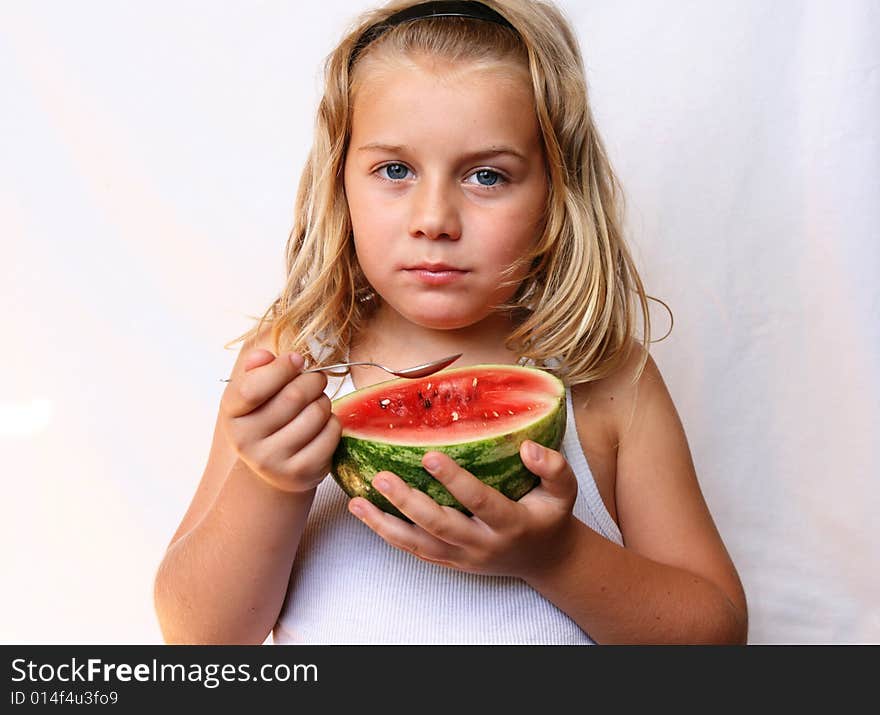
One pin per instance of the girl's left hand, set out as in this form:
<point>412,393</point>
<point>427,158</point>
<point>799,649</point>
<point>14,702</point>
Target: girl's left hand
<point>503,537</point>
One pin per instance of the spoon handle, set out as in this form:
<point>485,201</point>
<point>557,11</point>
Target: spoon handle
<point>344,364</point>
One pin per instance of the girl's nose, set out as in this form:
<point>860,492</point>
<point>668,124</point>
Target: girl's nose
<point>434,212</point>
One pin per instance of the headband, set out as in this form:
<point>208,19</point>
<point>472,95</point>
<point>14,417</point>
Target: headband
<point>470,9</point>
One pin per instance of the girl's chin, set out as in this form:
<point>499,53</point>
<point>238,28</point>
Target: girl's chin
<point>438,312</point>
<point>435,319</point>
<point>440,322</point>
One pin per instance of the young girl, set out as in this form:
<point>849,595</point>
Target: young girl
<point>457,199</point>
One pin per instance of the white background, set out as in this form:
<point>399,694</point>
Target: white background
<point>149,156</point>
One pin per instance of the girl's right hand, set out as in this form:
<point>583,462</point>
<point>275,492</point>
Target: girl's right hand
<point>279,422</point>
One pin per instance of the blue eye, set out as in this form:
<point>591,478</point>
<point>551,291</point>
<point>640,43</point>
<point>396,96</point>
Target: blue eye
<point>488,177</point>
<point>395,172</point>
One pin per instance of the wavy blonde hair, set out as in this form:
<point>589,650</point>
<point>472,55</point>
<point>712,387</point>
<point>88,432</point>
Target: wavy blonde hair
<point>576,307</point>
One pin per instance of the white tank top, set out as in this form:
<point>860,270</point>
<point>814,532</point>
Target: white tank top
<point>348,586</point>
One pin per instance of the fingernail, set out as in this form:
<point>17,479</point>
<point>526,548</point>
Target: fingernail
<point>381,483</point>
<point>535,450</point>
<point>297,360</point>
<point>432,464</point>
<point>357,509</point>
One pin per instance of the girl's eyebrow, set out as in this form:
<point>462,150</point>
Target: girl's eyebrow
<point>486,153</point>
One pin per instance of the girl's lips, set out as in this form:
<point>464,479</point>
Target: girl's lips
<point>442,276</point>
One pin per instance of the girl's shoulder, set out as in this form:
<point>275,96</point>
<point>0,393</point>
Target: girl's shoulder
<point>613,397</point>
<point>602,410</point>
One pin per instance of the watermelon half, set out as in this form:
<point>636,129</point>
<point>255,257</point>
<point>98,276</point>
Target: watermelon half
<point>478,415</point>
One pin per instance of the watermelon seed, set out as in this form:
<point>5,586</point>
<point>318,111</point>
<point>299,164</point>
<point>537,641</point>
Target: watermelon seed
<point>427,404</point>
<point>494,413</point>
<point>384,403</point>
<point>455,416</point>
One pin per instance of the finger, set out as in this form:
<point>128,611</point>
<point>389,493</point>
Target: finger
<point>442,522</point>
<point>251,388</point>
<point>295,434</point>
<point>400,534</point>
<point>257,358</point>
<point>484,502</point>
<point>289,402</point>
<point>557,477</point>
<point>315,456</point>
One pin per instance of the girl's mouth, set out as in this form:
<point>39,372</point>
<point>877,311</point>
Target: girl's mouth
<point>436,276</point>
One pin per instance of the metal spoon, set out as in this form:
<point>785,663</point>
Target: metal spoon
<point>423,370</point>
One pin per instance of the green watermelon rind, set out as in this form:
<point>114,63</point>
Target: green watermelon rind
<point>494,460</point>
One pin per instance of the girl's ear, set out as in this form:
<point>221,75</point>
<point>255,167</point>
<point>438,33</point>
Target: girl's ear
<point>365,295</point>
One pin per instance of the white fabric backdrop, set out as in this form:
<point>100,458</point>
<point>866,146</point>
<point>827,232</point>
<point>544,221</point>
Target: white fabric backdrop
<point>150,153</point>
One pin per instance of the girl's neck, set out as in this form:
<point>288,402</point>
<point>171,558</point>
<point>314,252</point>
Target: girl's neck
<point>398,343</point>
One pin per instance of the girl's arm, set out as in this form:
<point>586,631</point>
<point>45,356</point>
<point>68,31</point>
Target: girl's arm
<point>223,580</point>
<point>224,576</point>
<point>674,580</point>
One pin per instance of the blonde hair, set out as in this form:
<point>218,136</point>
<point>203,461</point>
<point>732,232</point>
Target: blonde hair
<point>576,307</point>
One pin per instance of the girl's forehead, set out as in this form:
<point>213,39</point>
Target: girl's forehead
<point>438,106</point>
<point>416,88</point>
<point>379,71</point>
